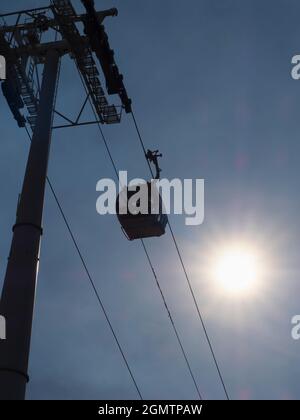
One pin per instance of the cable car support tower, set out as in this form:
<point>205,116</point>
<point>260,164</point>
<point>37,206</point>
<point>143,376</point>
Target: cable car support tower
<point>22,46</point>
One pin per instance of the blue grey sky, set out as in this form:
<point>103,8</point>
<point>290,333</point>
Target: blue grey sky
<point>211,87</point>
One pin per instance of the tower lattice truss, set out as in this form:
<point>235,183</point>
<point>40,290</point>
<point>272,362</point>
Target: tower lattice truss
<point>25,42</point>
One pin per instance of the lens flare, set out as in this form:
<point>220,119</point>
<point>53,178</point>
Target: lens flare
<point>237,270</point>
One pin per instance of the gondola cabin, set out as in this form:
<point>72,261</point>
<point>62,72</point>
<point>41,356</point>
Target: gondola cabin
<point>148,223</point>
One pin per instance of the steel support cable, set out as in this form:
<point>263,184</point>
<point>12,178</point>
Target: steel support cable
<point>86,269</point>
<point>82,259</point>
<point>99,126</point>
<point>185,272</point>
<point>145,249</point>
<point>96,291</point>
<point>172,321</point>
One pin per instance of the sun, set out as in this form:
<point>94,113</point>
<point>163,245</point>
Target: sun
<point>237,270</point>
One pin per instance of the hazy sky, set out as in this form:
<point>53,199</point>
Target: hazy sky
<point>211,88</point>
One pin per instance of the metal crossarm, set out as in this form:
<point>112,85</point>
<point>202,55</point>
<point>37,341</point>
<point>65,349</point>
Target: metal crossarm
<point>65,16</point>
<point>20,81</point>
<point>21,44</point>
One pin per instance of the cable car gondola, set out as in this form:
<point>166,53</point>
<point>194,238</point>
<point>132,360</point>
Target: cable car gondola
<point>139,225</point>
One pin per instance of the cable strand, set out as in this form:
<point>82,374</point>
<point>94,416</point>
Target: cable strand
<point>186,275</point>
<point>171,320</point>
<point>143,243</point>
<point>82,259</point>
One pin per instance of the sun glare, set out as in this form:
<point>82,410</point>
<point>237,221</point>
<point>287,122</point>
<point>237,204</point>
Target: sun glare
<point>237,270</point>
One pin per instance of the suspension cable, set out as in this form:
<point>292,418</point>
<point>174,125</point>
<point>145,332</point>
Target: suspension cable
<point>86,269</point>
<point>171,320</point>
<point>145,249</point>
<point>185,272</point>
<point>95,290</point>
